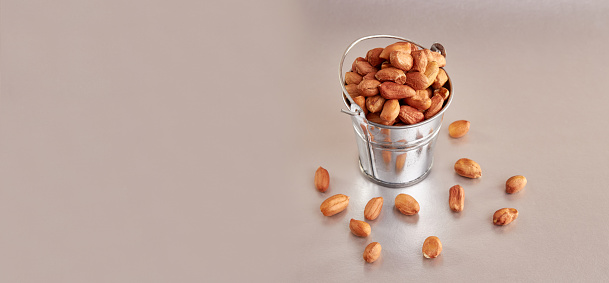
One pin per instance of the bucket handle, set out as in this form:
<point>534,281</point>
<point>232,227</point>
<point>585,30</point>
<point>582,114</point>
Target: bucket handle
<point>353,108</point>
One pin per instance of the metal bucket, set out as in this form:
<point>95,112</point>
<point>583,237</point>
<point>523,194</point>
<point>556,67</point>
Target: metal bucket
<point>394,156</point>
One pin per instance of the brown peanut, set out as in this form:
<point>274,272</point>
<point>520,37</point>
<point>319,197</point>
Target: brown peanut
<point>458,128</point>
<point>401,60</point>
<point>420,101</point>
<point>468,168</point>
<point>372,252</point>
<point>505,216</point>
<point>352,78</point>
<point>375,104</point>
<point>515,184</point>
<point>435,107</point>
<point>440,80</point>
<point>417,80</point>
<point>432,247</point>
<point>353,90</point>
<point>456,198</point>
<point>368,87</point>
<point>373,56</point>
<point>322,179</point>
<point>334,204</point>
<point>442,92</point>
<point>419,59</point>
<point>376,118</point>
<point>355,61</point>
<point>391,90</point>
<point>391,109</point>
<point>361,102</point>
<point>435,56</point>
<point>431,72</point>
<point>363,67</point>
<point>359,228</point>
<point>370,76</point>
<point>373,208</point>
<point>386,65</point>
<point>410,115</point>
<point>406,204</point>
<point>391,74</point>
<point>402,46</point>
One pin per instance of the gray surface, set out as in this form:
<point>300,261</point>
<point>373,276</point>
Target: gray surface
<point>149,141</point>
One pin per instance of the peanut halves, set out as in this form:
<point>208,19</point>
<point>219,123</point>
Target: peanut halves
<point>334,204</point>
<point>456,198</point>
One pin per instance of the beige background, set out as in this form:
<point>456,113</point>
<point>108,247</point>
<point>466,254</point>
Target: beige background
<point>176,141</point>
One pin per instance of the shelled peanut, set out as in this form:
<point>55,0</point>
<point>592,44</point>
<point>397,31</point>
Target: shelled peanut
<point>398,83</point>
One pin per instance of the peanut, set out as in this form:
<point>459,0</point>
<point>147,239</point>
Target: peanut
<point>440,80</point>
<point>458,128</point>
<point>359,228</point>
<point>505,216</point>
<point>435,107</point>
<point>373,56</point>
<point>456,198</point>
<point>432,247</point>
<point>391,110</point>
<point>334,204</point>
<point>402,46</point>
<point>352,78</point>
<point>375,103</point>
<point>406,204</point>
<point>361,102</point>
<point>410,115</point>
<point>391,90</point>
<point>368,87</point>
<point>322,179</point>
<point>391,74</point>
<point>468,168</point>
<point>401,60</point>
<point>515,184</point>
<point>372,252</point>
<point>373,208</point>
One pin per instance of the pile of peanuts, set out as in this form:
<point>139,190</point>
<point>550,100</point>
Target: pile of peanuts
<point>398,85</point>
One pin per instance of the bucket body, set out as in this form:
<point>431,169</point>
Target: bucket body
<point>394,156</point>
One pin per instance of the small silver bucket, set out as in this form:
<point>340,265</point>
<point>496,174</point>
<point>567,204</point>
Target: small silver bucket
<point>394,156</point>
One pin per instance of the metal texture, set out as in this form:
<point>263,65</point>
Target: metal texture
<point>393,156</point>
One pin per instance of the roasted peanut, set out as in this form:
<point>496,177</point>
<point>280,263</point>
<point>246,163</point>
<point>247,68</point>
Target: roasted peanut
<point>391,74</point>
<point>410,115</point>
<point>401,60</point>
<point>435,107</point>
<point>361,102</point>
<point>391,109</point>
<point>403,46</point>
<point>391,90</point>
<point>352,78</point>
<point>419,60</point>
<point>440,80</point>
<point>368,87</point>
<point>417,80</point>
<point>375,103</point>
<point>373,56</point>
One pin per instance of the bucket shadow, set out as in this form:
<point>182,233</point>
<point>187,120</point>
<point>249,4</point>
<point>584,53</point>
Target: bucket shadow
<point>432,262</point>
<point>464,181</point>
<point>371,267</point>
<point>411,219</point>
<point>505,229</point>
<point>514,196</point>
<point>335,219</point>
<point>456,215</point>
